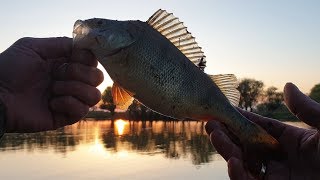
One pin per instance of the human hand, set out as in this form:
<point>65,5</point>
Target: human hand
<point>45,85</point>
<point>302,146</point>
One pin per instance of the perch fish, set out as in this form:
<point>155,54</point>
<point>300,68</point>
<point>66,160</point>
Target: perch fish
<point>159,63</point>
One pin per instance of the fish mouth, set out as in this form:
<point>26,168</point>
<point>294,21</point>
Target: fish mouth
<point>81,38</point>
<point>80,29</point>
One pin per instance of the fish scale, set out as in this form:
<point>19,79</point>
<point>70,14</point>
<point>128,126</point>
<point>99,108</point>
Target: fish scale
<point>146,65</point>
<point>159,79</point>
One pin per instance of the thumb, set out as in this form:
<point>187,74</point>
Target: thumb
<point>302,106</point>
<point>236,170</point>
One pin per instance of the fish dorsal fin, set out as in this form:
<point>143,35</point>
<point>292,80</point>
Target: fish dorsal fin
<point>121,98</point>
<point>228,85</point>
<point>174,30</point>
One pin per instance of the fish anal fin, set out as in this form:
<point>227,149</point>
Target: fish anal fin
<point>121,97</point>
<point>228,84</point>
<point>176,32</point>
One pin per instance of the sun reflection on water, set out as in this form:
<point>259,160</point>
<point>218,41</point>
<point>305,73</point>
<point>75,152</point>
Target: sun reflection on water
<point>120,126</point>
<point>97,146</point>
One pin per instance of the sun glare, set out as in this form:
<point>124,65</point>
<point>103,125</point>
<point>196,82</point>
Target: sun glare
<point>119,126</point>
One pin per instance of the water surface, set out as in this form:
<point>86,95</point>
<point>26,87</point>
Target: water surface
<point>119,149</point>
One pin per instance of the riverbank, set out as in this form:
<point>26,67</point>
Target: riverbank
<point>281,115</point>
<point>105,115</point>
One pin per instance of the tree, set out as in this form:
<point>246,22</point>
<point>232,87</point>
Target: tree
<point>315,93</point>
<point>250,90</point>
<point>135,106</point>
<point>137,110</point>
<point>274,99</point>
<point>272,105</point>
<point>107,100</point>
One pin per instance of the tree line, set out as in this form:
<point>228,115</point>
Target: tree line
<point>253,97</point>
<point>267,102</point>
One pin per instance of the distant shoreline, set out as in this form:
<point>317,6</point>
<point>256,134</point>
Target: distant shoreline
<point>105,115</point>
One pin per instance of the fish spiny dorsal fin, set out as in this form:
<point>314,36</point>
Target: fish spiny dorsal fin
<point>174,30</point>
<point>228,85</point>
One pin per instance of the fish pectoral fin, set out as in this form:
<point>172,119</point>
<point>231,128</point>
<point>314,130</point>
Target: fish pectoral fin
<point>176,32</point>
<point>121,97</point>
<point>228,84</point>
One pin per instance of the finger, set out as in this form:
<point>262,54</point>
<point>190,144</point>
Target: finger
<point>236,170</point>
<point>222,143</point>
<point>302,106</point>
<point>272,126</point>
<point>277,169</point>
<point>70,106</point>
<point>84,57</point>
<point>62,119</point>
<point>48,48</point>
<point>288,136</point>
<point>87,94</point>
<point>79,72</point>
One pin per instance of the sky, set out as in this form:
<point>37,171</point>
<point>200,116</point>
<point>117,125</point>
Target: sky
<point>272,41</point>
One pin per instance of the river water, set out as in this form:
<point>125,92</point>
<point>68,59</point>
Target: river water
<point>118,149</point>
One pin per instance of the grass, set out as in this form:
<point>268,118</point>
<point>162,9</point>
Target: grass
<point>281,113</point>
